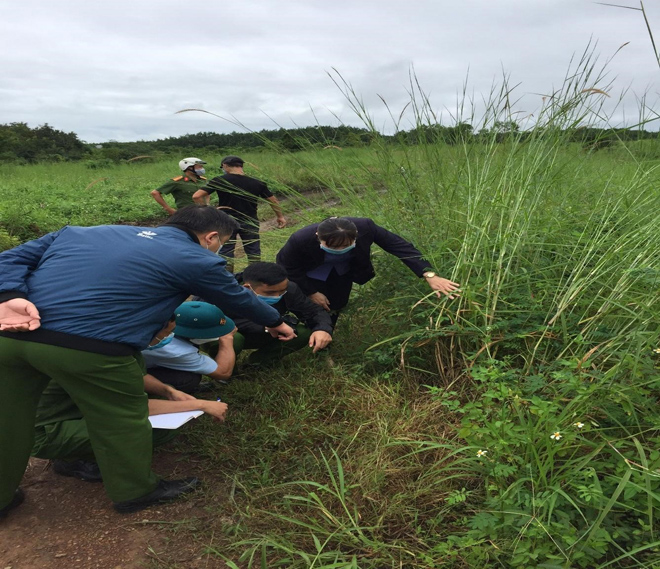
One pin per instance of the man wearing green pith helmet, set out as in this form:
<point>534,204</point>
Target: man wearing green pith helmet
<point>182,187</point>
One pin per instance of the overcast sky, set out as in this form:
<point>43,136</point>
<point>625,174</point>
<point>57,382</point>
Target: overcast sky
<point>121,69</point>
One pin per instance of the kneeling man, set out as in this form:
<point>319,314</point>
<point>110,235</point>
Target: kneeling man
<point>312,324</point>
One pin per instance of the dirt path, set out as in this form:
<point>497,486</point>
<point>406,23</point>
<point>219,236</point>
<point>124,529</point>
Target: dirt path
<point>70,524</point>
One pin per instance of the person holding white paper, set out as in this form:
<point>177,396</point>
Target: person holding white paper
<point>61,431</point>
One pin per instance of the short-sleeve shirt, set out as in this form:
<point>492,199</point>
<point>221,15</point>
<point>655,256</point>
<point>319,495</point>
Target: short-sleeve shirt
<point>182,355</point>
<point>240,194</point>
<point>182,189</point>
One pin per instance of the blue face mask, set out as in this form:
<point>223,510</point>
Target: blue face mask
<point>166,340</point>
<point>200,171</point>
<point>270,299</point>
<point>338,251</point>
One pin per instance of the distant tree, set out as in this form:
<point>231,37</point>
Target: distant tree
<point>459,133</point>
<point>44,143</point>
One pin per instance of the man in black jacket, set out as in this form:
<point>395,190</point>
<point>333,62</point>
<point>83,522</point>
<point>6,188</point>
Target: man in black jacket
<point>311,323</point>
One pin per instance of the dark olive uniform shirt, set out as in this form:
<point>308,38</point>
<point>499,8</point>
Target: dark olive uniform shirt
<point>182,189</point>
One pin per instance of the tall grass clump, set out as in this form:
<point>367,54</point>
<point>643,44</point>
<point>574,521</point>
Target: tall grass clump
<point>518,425</point>
<point>559,242</point>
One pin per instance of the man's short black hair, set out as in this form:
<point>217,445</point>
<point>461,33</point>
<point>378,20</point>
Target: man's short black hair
<point>264,273</point>
<point>202,219</point>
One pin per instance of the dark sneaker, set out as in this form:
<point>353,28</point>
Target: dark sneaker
<point>81,469</point>
<point>16,501</point>
<point>166,490</point>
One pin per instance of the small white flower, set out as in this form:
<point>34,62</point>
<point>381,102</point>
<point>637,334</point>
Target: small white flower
<point>556,436</point>
<point>481,453</point>
<point>578,425</point>
<point>657,350</point>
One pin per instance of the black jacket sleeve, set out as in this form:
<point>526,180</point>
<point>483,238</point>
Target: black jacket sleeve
<point>246,326</point>
<point>402,249</point>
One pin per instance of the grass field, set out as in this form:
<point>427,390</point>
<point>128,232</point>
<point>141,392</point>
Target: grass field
<point>515,427</point>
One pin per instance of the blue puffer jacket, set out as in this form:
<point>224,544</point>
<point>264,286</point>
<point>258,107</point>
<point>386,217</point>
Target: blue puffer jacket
<point>120,283</point>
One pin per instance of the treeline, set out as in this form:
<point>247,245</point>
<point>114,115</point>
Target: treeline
<point>22,144</point>
<point>218,143</point>
<point>19,142</point>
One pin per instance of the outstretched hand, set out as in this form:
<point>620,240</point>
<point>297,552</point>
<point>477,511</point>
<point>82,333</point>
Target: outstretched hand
<point>216,409</point>
<point>282,332</point>
<point>19,315</point>
<point>444,286</point>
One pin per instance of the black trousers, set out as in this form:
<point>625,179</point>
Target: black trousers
<point>186,381</point>
<point>249,234</point>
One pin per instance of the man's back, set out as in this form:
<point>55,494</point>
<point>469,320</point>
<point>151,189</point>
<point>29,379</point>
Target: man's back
<point>120,283</point>
<point>239,193</point>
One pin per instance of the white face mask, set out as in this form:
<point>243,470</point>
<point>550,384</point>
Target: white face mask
<point>166,340</point>
<point>200,341</point>
<point>216,252</point>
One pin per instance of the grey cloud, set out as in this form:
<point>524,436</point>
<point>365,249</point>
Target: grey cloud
<point>122,70</point>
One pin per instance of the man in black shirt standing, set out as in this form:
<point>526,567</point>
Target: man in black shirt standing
<point>239,196</point>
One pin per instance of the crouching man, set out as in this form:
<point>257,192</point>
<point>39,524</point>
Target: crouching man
<point>175,358</point>
<point>61,433</point>
<point>312,324</point>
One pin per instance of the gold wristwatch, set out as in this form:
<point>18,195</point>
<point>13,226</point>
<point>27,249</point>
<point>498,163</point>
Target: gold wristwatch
<point>428,274</point>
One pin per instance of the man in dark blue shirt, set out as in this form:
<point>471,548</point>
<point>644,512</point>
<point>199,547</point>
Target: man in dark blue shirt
<point>312,324</point>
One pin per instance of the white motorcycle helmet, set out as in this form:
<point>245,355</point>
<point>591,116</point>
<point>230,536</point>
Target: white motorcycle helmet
<point>188,162</point>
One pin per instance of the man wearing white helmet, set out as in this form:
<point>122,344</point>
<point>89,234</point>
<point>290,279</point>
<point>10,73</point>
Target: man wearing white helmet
<point>183,187</point>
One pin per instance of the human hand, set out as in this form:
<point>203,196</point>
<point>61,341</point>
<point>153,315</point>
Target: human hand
<point>217,410</point>
<point>171,210</point>
<point>320,299</point>
<point>19,315</point>
<point>319,340</point>
<point>281,222</point>
<point>444,286</point>
<point>282,332</point>
<point>176,395</point>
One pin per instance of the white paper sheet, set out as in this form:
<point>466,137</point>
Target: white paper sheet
<point>173,420</point>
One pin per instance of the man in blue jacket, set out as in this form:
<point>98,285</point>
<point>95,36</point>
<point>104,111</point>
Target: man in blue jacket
<point>75,306</point>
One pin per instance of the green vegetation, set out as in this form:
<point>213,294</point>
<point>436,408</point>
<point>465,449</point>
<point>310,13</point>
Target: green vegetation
<point>517,426</point>
<point>22,144</point>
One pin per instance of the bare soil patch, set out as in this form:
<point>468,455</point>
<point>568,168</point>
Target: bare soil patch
<point>66,523</point>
